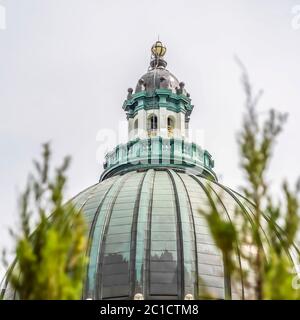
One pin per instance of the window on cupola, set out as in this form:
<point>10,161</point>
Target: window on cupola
<point>152,125</point>
<point>170,127</point>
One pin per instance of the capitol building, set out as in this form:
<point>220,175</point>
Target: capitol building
<point>148,239</point>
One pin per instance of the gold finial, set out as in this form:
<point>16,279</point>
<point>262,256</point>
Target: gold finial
<point>158,49</point>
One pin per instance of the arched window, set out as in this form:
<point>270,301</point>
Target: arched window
<point>153,122</point>
<point>171,124</point>
<point>152,125</point>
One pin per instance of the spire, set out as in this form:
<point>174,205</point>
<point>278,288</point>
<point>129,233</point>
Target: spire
<point>158,50</point>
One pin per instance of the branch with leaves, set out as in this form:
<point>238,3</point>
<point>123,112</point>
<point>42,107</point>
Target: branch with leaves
<point>50,256</point>
<point>271,230</point>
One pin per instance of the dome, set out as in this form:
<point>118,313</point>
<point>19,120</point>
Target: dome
<point>148,239</point>
<point>147,236</point>
<point>159,78</point>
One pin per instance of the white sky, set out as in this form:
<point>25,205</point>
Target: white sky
<point>65,66</point>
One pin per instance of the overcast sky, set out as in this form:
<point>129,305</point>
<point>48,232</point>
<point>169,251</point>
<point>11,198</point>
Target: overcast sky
<point>65,66</point>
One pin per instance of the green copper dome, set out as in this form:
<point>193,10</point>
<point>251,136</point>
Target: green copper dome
<point>147,236</point>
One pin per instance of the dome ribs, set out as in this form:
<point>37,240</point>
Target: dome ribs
<point>99,271</point>
<point>134,287</point>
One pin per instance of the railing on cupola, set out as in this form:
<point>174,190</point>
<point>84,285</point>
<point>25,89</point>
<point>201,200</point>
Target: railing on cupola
<point>158,152</point>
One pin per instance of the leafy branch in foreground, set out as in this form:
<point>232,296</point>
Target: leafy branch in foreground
<point>268,235</point>
<point>225,237</point>
<point>50,257</point>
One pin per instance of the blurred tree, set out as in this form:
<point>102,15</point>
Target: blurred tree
<point>271,264</point>
<point>50,258</point>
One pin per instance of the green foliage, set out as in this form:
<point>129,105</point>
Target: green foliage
<point>50,261</point>
<point>278,278</point>
<point>225,237</point>
<point>222,231</point>
<point>270,261</point>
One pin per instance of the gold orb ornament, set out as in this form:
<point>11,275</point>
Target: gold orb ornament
<point>158,49</point>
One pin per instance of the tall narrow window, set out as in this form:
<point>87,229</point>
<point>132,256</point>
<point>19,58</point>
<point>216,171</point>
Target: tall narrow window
<point>152,125</point>
<point>170,126</point>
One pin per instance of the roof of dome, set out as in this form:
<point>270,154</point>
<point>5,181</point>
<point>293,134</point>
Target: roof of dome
<point>158,78</point>
<point>147,236</point>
